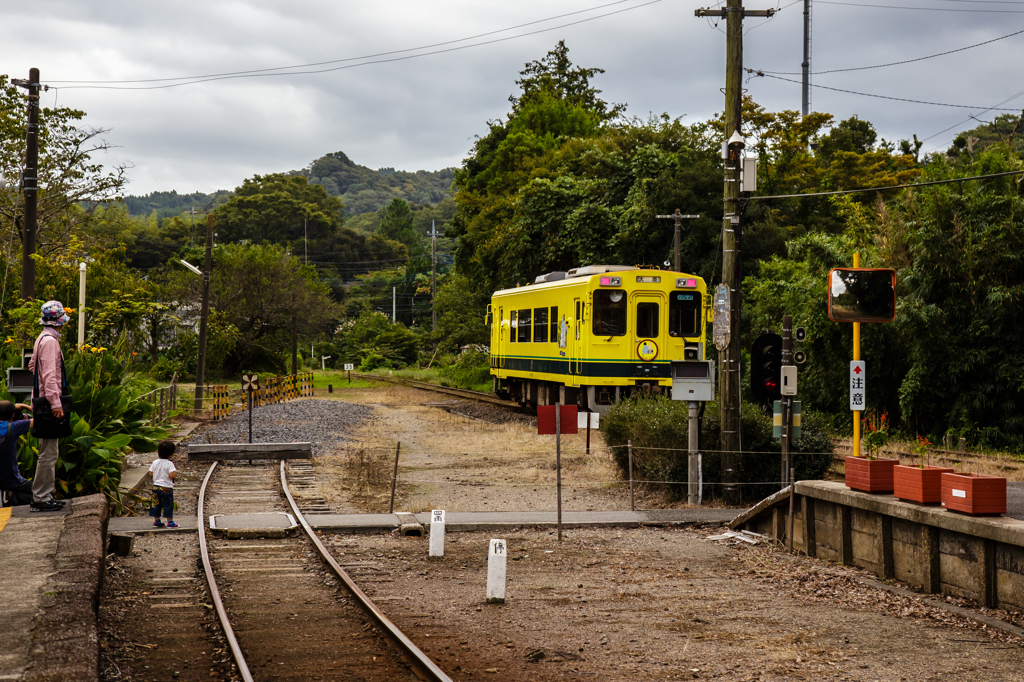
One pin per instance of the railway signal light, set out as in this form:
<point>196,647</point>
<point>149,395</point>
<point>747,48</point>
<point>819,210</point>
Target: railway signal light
<point>766,368</point>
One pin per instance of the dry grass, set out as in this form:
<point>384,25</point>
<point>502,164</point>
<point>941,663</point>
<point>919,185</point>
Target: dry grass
<point>451,462</point>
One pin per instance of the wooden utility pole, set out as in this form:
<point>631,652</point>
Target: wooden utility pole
<point>729,361</point>
<point>30,186</point>
<point>678,217</point>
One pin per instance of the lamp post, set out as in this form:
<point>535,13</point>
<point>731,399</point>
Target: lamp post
<point>205,315</point>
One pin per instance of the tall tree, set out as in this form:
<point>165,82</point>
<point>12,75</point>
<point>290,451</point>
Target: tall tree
<point>278,208</point>
<point>71,182</point>
<point>556,76</point>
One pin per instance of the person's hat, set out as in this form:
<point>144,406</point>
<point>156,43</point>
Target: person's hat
<point>53,314</point>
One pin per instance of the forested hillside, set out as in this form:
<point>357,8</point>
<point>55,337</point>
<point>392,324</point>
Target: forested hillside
<point>361,189</point>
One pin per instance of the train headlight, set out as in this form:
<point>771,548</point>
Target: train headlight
<point>616,296</point>
<point>611,281</point>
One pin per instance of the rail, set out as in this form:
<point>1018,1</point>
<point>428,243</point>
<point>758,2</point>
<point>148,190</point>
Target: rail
<point>222,614</point>
<point>428,669</point>
<point>479,396</point>
<point>420,658</point>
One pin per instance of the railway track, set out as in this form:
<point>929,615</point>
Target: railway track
<point>283,615</point>
<point>478,396</point>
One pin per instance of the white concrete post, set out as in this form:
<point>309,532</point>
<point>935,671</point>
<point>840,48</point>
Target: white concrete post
<point>437,532</point>
<point>496,572</point>
<point>81,305</point>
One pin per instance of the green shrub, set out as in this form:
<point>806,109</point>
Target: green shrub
<point>374,341</point>
<point>659,430</point>
<point>471,370</point>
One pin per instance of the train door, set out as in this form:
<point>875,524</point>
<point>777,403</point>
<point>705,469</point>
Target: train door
<point>502,337</point>
<point>576,340</point>
<point>647,325</point>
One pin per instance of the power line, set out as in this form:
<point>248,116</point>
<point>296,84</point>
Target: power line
<point>279,71</point>
<point>763,74</point>
<point>883,189</point>
<point>920,9</point>
<point>880,66</point>
<point>349,59</point>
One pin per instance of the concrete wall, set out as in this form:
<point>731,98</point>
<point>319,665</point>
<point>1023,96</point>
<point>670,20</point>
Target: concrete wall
<point>927,547</point>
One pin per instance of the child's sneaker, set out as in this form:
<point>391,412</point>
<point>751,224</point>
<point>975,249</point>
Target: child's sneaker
<point>158,524</point>
<point>172,524</point>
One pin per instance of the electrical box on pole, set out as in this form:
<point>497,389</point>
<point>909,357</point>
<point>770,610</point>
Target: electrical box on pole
<point>788,386</point>
<point>748,178</point>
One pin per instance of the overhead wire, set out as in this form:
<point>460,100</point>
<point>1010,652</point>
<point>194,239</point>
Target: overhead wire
<point>280,71</point>
<point>888,187</point>
<point>921,9</point>
<point>763,74</point>
<point>880,66</point>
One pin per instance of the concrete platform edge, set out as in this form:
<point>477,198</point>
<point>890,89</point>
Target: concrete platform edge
<point>65,634</point>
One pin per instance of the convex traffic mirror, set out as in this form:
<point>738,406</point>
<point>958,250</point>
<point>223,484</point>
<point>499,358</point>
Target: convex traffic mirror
<point>861,295</point>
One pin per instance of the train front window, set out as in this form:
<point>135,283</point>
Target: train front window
<point>523,334</point>
<point>647,320</point>
<point>610,312</point>
<point>540,325</point>
<point>684,310</point>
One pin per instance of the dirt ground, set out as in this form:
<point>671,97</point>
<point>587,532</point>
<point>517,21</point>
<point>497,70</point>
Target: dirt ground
<point>645,604</point>
<point>461,456</point>
<point>608,604</point>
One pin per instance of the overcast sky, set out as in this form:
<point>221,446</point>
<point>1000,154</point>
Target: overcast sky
<point>423,112</point>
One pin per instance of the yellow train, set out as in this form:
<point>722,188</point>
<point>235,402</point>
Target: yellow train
<point>594,334</point>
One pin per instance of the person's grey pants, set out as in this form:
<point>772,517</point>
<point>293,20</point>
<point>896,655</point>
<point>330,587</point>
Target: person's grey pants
<point>46,467</point>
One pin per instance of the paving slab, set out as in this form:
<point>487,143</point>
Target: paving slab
<point>471,521</point>
<point>52,563</point>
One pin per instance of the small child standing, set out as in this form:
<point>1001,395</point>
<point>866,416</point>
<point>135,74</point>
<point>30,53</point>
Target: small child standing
<point>163,472</point>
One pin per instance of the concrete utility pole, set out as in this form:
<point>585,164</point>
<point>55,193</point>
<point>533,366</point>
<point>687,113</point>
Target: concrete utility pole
<point>30,185</point>
<point>433,273</point>
<point>205,315</point>
<point>192,228</point>
<point>678,217</point>
<point>729,361</point>
<point>787,401</point>
<point>805,66</point>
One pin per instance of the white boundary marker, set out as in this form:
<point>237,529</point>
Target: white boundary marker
<point>437,532</point>
<point>496,572</point>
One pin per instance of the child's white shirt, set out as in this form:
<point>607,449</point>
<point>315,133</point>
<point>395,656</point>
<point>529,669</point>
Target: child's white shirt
<point>161,470</point>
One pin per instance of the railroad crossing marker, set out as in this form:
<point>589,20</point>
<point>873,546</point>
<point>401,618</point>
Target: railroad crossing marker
<point>437,532</point>
<point>250,384</point>
<point>496,571</point>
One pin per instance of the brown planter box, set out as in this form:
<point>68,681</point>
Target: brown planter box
<point>974,494</point>
<point>870,475</point>
<point>915,484</point>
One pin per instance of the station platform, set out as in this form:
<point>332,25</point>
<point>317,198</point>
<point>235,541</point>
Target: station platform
<point>52,567</point>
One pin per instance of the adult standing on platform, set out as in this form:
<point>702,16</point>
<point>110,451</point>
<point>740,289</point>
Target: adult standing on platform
<point>48,362</point>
